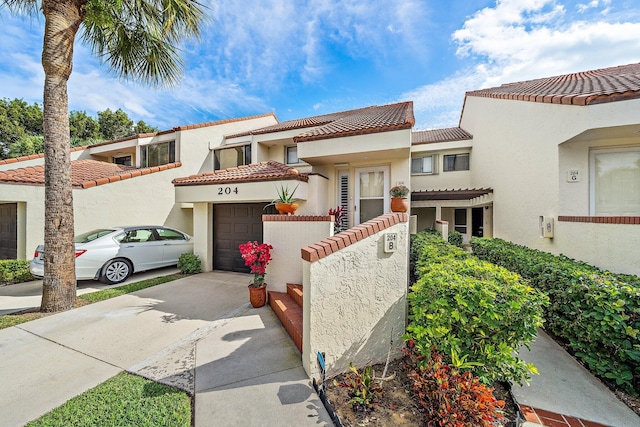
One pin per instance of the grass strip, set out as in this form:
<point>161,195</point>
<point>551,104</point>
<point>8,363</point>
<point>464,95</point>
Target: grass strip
<point>123,400</point>
<point>9,320</point>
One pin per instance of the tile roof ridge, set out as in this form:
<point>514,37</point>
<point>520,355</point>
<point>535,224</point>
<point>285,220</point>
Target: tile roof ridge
<point>34,156</point>
<point>127,172</point>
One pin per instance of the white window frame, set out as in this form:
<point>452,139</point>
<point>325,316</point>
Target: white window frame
<point>444,157</point>
<point>592,173</point>
<point>246,159</point>
<point>286,155</point>
<point>434,164</point>
<point>386,204</point>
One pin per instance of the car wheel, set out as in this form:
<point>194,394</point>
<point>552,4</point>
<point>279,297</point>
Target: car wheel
<point>116,271</point>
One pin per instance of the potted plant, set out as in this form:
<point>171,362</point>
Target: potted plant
<point>257,256</point>
<point>285,202</point>
<point>399,201</point>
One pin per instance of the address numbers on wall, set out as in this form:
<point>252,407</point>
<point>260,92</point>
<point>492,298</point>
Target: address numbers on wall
<point>227,190</point>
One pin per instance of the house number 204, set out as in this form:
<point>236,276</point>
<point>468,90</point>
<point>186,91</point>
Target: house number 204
<point>227,190</point>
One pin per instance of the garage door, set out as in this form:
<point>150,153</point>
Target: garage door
<point>234,224</point>
<point>8,230</point>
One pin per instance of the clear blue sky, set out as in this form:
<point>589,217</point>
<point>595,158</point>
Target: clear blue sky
<point>299,58</point>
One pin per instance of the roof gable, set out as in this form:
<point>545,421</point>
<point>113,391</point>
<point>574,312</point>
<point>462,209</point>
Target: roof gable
<point>439,135</point>
<point>84,173</point>
<point>584,88</point>
<point>346,123</point>
<point>264,171</point>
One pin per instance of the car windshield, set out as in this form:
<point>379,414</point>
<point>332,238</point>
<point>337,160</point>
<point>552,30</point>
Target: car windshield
<point>91,235</point>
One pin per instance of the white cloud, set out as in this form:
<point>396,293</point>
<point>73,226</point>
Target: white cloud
<point>525,39</point>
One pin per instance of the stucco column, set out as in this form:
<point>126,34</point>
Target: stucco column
<point>203,234</point>
<point>438,212</point>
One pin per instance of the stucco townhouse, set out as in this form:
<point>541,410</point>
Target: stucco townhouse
<point>552,163</point>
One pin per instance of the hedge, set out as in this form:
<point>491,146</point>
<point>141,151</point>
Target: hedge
<point>595,311</point>
<point>474,312</point>
<point>14,271</point>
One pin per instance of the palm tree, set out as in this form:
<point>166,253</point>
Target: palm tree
<point>137,39</point>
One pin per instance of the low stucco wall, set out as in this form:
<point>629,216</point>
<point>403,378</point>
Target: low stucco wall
<point>288,234</point>
<point>355,295</point>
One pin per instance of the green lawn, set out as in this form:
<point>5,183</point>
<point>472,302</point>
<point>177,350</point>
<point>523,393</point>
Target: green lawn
<point>124,400</point>
<point>9,320</point>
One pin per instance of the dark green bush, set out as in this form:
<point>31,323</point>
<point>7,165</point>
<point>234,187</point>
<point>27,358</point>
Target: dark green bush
<point>471,311</point>
<point>189,264</point>
<point>14,271</point>
<point>597,312</point>
<point>455,238</point>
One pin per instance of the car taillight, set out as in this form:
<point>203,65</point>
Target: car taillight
<point>80,252</point>
<point>36,254</point>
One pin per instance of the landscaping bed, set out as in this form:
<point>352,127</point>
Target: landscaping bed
<point>396,406</point>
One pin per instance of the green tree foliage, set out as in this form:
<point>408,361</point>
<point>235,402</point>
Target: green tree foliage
<point>114,124</point>
<point>27,145</point>
<point>142,127</point>
<point>17,121</point>
<point>83,127</point>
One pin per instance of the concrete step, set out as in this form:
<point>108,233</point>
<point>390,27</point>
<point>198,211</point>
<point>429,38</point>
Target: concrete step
<point>289,313</point>
<point>295,291</point>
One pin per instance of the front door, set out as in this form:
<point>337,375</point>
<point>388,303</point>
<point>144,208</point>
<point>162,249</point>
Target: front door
<point>372,193</point>
<point>477,222</point>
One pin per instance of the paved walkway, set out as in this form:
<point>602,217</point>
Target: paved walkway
<point>565,394</point>
<point>197,333</point>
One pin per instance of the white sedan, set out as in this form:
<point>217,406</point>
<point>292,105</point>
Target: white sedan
<point>112,254</point>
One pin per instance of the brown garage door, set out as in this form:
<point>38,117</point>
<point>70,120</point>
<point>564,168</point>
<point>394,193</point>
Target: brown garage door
<point>234,224</point>
<point>8,230</point>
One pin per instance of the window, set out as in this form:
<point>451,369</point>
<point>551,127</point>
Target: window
<point>125,160</point>
<point>232,157</point>
<point>158,154</point>
<point>460,221</point>
<point>456,162</point>
<point>423,165</point>
<point>292,155</point>
<point>168,234</point>
<point>615,182</point>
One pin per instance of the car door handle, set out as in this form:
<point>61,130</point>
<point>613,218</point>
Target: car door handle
<point>130,246</point>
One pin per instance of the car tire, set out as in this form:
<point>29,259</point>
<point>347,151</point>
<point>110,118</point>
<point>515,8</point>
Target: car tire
<point>116,271</point>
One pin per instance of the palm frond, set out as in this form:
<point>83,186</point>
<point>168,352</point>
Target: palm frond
<point>21,7</point>
<point>140,39</point>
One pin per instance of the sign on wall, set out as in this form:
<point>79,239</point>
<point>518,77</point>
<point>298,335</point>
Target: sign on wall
<point>390,242</point>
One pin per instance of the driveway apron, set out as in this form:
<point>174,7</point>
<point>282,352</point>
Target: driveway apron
<point>153,332</point>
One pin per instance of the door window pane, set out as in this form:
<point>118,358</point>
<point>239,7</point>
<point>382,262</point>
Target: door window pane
<point>460,221</point>
<point>616,183</point>
<point>372,184</point>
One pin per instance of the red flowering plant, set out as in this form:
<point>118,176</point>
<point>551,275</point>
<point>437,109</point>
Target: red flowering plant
<point>257,256</point>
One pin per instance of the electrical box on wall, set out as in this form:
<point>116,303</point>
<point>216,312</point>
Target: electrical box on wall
<point>546,227</point>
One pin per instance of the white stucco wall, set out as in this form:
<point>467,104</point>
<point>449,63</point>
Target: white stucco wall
<point>355,303</point>
<point>287,238</point>
<point>518,152</point>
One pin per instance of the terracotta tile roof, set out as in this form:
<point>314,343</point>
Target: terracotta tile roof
<point>584,88</point>
<point>185,127</point>
<point>466,194</point>
<point>264,171</point>
<point>34,156</point>
<point>84,173</point>
<point>346,123</point>
<point>439,135</point>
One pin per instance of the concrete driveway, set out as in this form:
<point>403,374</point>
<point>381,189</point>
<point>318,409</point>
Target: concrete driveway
<point>197,327</point>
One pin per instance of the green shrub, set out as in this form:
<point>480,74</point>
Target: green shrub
<point>472,310</point>
<point>455,238</point>
<point>597,312</point>
<point>449,397</point>
<point>14,271</point>
<point>363,389</point>
<point>189,264</point>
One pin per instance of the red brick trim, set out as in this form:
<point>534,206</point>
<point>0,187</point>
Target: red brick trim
<point>131,174</point>
<point>602,219</point>
<point>340,241</point>
<point>439,221</point>
<point>307,218</point>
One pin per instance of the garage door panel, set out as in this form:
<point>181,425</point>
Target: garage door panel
<point>8,231</point>
<point>235,224</point>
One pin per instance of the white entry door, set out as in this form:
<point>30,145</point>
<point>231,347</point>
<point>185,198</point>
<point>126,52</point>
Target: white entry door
<point>372,193</point>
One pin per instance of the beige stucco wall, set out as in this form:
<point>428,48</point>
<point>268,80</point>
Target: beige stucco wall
<point>355,303</point>
<point>441,180</point>
<point>518,152</point>
<point>287,238</point>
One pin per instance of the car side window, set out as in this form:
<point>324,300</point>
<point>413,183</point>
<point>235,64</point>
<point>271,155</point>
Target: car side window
<point>138,236</point>
<point>167,234</point>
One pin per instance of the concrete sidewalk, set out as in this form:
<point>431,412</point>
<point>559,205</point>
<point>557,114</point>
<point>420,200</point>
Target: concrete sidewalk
<point>565,392</point>
<point>174,333</point>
